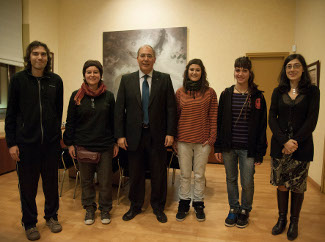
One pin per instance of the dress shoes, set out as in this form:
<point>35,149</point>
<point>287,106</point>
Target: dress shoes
<point>161,216</point>
<point>131,214</point>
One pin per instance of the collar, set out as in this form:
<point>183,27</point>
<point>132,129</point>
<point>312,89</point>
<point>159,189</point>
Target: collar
<point>141,74</point>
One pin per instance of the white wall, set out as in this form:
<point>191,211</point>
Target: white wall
<point>310,39</point>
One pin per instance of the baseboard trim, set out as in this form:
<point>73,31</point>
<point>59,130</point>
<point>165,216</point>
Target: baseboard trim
<point>313,183</point>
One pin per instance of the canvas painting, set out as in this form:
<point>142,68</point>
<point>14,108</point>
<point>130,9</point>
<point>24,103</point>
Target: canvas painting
<point>120,53</point>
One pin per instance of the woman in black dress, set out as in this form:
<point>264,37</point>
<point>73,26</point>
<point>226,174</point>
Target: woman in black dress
<point>292,119</point>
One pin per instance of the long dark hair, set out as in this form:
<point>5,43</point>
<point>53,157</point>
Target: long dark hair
<point>203,79</point>
<point>284,82</point>
<point>245,63</point>
<point>30,49</point>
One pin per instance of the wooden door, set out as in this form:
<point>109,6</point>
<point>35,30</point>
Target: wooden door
<point>267,67</point>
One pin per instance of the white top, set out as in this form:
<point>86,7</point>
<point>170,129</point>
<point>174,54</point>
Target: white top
<point>141,79</point>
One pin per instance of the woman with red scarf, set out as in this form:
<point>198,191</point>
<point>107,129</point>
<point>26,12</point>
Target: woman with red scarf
<point>90,126</point>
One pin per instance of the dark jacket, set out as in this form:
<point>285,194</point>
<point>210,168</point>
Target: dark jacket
<point>257,142</point>
<point>89,124</point>
<point>303,116</point>
<point>129,113</point>
<point>34,111</point>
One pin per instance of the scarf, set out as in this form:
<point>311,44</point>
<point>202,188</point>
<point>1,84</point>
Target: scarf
<point>85,89</point>
<point>193,86</point>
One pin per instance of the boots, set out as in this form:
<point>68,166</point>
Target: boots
<point>282,197</point>
<point>183,208</point>
<point>296,203</point>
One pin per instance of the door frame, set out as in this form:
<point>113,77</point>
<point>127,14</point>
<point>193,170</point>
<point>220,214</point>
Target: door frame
<point>256,55</point>
<point>268,54</point>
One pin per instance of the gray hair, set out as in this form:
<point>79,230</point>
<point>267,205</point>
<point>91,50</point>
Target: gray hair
<point>153,51</point>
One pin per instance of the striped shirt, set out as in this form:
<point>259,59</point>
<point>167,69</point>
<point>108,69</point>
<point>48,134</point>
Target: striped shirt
<point>197,117</point>
<point>240,121</point>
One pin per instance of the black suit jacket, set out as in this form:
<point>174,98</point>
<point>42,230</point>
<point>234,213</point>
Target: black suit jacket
<point>129,113</point>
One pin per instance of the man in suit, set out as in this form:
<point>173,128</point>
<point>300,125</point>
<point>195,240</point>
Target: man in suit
<point>145,124</point>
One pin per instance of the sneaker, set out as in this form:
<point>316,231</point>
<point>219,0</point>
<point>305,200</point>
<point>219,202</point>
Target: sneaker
<point>242,221</point>
<point>54,225</point>
<point>90,216</point>
<point>199,211</point>
<point>105,217</point>
<point>183,208</point>
<point>231,220</point>
<point>32,234</point>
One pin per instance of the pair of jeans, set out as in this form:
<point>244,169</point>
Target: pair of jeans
<point>247,170</point>
<point>38,160</point>
<point>192,156</point>
<point>104,176</point>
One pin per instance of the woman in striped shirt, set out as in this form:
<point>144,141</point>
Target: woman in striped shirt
<point>241,139</point>
<point>197,108</point>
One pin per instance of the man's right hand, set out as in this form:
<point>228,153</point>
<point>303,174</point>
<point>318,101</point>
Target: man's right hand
<point>14,153</point>
<point>122,143</point>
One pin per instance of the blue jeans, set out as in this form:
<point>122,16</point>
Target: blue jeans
<point>247,170</point>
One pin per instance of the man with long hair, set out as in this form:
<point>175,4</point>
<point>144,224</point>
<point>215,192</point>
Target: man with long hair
<point>33,132</point>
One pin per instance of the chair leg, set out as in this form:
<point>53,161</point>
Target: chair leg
<point>61,187</point>
<point>75,187</point>
<point>119,186</point>
<point>173,177</point>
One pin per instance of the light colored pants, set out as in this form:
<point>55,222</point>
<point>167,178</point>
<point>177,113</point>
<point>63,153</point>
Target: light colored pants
<point>192,156</point>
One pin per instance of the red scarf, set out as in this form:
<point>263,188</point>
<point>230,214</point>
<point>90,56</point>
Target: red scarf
<point>86,90</point>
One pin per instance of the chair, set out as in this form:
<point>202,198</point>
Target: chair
<point>121,161</point>
<point>172,159</point>
<point>66,163</point>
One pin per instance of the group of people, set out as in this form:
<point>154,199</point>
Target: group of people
<point>146,118</point>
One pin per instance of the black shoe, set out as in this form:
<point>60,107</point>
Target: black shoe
<point>90,216</point>
<point>183,208</point>
<point>242,221</point>
<point>199,211</point>
<point>161,216</point>
<point>292,233</point>
<point>231,219</point>
<point>131,214</point>
<point>280,225</point>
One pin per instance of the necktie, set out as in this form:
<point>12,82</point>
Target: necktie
<point>145,100</point>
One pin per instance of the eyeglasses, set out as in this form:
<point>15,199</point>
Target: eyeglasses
<point>149,56</point>
<point>294,66</point>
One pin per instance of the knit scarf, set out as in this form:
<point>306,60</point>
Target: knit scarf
<point>193,86</point>
<point>85,89</point>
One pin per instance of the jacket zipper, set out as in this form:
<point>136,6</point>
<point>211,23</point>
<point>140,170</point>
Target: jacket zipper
<point>40,107</point>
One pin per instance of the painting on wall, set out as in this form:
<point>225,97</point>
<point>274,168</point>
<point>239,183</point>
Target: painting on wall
<point>120,53</point>
<point>314,72</point>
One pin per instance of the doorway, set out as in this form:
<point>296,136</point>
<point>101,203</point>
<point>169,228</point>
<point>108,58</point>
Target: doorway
<point>267,67</point>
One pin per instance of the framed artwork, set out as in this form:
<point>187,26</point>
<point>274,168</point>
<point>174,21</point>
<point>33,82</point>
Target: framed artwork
<point>52,62</point>
<point>314,72</point>
<point>120,53</point>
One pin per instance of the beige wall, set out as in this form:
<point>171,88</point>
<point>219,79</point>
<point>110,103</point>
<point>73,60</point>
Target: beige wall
<point>310,39</point>
<point>218,31</point>
<point>43,20</point>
